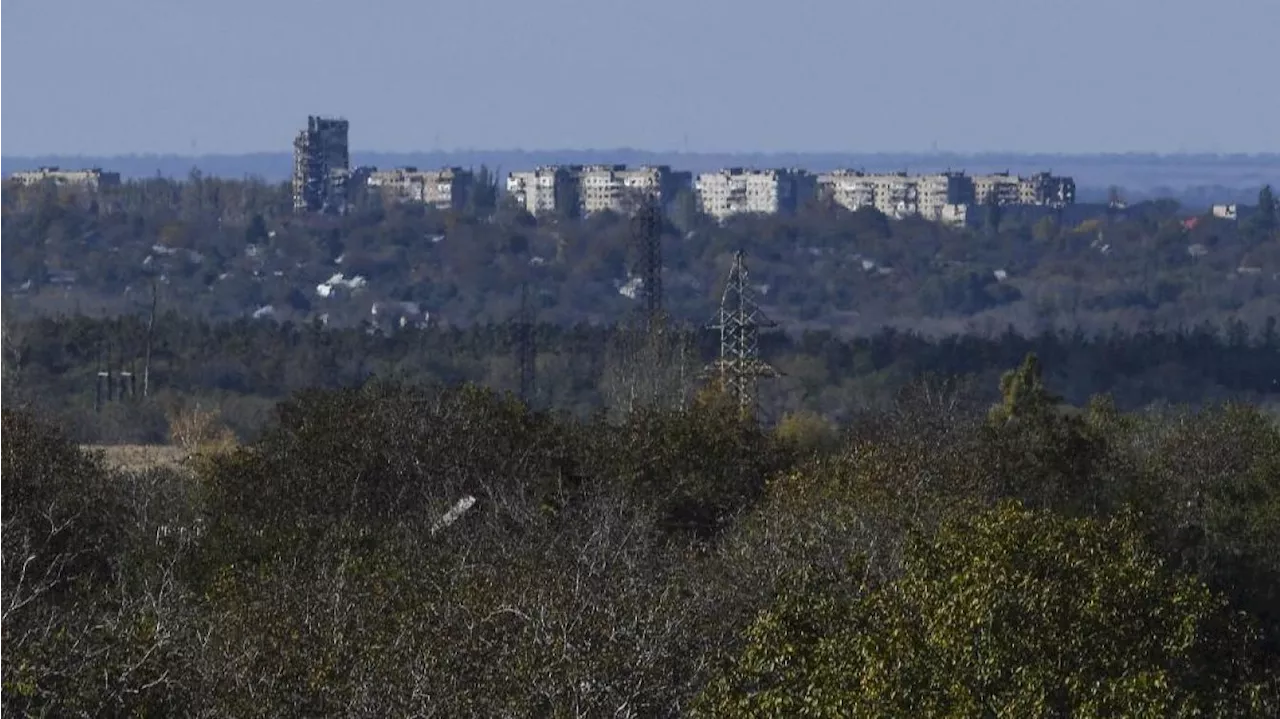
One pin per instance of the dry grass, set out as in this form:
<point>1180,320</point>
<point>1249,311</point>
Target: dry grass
<point>137,457</point>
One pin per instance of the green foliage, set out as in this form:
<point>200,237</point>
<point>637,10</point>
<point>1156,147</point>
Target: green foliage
<point>666,560</point>
<point>699,467</point>
<point>807,431</point>
<point>63,516</point>
<point>242,369</point>
<point>385,453</point>
<point>91,621</point>
<point>1213,485</point>
<point>1010,613</point>
<point>1042,452</point>
<point>1023,394</point>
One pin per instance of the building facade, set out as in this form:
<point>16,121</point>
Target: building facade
<point>578,190</point>
<point>738,190</point>
<point>1042,188</point>
<point>89,179</point>
<point>445,189</point>
<point>545,190</point>
<point>898,194</point>
<point>940,197</point>
<point>617,188</point>
<point>850,189</point>
<point>998,188</point>
<point>1047,189</point>
<point>321,166</point>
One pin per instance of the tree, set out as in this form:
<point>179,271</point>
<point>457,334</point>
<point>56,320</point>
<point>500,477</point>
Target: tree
<point>648,366</point>
<point>684,211</point>
<point>1264,222</point>
<point>1023,393</point>
<point>14,347</point>
<point>256,232</point>
<point>1041,451</point>
<point>1009,613</point>
<point>482,201</point>
<point>807,431</point>
<point>992,213</point>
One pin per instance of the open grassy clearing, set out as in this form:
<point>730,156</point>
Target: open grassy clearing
<point>137,457</point>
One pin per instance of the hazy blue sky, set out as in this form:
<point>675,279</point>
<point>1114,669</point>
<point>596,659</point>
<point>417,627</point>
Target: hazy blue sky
<point>112,76</point>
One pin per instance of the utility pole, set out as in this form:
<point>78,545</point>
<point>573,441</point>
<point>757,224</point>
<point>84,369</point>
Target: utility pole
<point>526,348</point>
<point>739,367</point>
<point>151,324</point>
<point>100,375</point>
<point>124,373</point>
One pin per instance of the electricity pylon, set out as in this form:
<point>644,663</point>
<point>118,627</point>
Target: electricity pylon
<point>739,367</point>
<point>646,230</point>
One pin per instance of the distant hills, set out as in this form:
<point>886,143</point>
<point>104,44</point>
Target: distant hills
<point>1144,174</point>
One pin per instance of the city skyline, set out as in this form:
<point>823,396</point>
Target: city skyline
<point>706,77</point>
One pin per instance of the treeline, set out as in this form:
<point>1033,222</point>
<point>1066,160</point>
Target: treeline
<point>223,249</point>
<point>398,551</point>
<point>242,368</point>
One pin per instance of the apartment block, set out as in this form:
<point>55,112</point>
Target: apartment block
<point>90,179</point>
<point>585,189</point>
<point>898,194</point>
<point>321,166</point>
<point>738,190</point>
<point>1047,189</point>
<point>1041,188</point>
<point>851,189</point>
<point>618,188</point>
<point>545,190</point>
<point>446,188</point>
<point>999,188</point>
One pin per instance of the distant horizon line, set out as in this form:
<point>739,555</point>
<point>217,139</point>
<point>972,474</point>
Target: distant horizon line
<point>679,153</point>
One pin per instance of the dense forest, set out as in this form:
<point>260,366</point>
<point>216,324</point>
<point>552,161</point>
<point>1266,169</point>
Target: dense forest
<point>392,550</point>
<point>241,369</point>
<point>222,249</point>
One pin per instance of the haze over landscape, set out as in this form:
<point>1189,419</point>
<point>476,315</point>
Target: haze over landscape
<point>697,358</point>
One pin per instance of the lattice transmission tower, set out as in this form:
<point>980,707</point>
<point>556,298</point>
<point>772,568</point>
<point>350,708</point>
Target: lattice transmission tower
<point>646,232</point>
<point>739,367</point>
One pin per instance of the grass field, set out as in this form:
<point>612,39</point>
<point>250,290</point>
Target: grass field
<point>140,456</point>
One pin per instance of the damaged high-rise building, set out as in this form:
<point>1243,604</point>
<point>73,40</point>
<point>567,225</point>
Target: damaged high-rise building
<point>321,166</point>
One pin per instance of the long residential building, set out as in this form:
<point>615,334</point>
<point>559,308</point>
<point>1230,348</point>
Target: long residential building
<point>445,188</point>
<point>1042,188</point>
<point>618,188</point>
<point>898,194</point>
<point>738,190</point>
<point>940,196</point>
<point>587,189</point>
<point>90,179</point>
<point>943,196</point>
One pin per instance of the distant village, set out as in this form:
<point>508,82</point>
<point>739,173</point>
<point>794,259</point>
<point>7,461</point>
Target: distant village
<point>322,181</point>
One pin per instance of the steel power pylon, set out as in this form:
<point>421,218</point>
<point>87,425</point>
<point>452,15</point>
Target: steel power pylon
<point>646,231</point>
<point>739,367</point>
